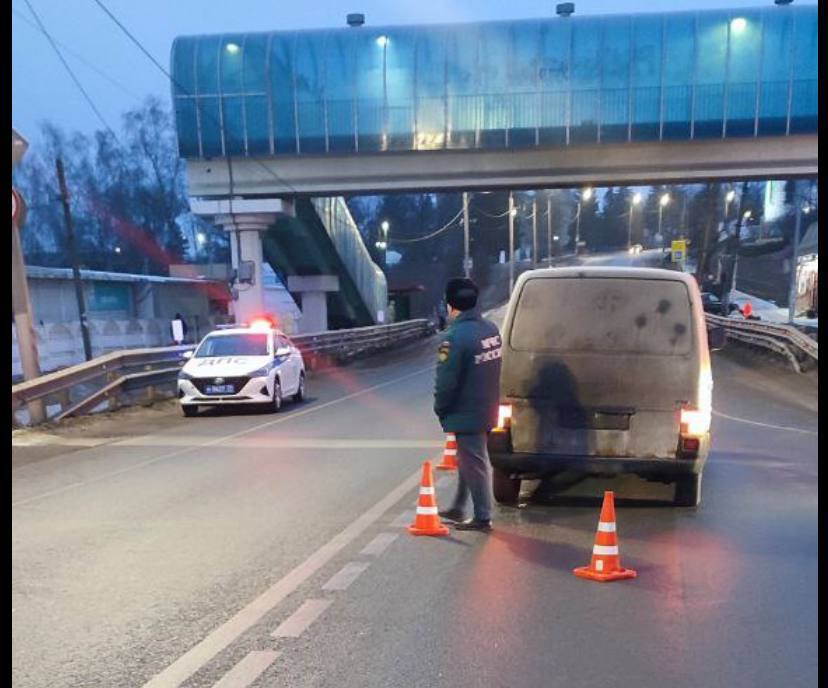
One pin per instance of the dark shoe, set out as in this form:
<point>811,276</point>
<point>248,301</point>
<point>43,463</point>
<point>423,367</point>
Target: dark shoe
<point>474,524</point>
<point>451,514</point>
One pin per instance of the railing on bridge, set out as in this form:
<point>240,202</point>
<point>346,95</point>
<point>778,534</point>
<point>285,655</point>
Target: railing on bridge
<point>109,380</point>
<point>800,350</point>
<point>369,279</point>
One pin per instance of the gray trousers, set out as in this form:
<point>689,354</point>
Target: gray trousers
<point>474,475</point>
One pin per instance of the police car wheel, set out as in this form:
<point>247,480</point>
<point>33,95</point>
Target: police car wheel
<point>276,402</point>
<point>300,393</point>
<point>189,410</point>
<point>506,489</point>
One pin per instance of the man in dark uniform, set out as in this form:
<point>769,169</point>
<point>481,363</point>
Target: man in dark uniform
<point>466,397</point>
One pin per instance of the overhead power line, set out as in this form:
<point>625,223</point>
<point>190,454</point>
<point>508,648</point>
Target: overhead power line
<point>184,90</point>
<point>80,58</point>
<point>69,69</point>
<point>433,234</point>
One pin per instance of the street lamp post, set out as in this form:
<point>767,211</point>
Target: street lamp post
<point>662,202</point>
<point>512,213</point>
<point>586,194</point>
<point>636,199</point>
<point>466,262</point>
<point>385,226</point>
<point>728,200</point>
<point>549,230</point>
<point>534,232</point>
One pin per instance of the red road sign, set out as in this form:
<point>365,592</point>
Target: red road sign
<point>18,208</point>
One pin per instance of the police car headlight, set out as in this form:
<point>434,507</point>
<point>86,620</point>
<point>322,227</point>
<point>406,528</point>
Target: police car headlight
<point>184,376</point>
<point>261,372</point>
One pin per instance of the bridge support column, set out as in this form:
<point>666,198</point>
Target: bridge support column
<point>246,220</point>
<point>313,290</point>
<point>246,242</point>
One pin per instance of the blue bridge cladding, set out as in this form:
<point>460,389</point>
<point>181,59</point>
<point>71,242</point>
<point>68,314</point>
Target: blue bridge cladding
<point>507,84</point>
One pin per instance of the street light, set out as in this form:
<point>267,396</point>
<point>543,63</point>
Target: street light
<point>636,199</point>
<point>662,203</point>
<point>729,196</point>
<point>586,194</point>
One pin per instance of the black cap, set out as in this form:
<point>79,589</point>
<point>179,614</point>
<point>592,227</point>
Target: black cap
<point>461,293</point>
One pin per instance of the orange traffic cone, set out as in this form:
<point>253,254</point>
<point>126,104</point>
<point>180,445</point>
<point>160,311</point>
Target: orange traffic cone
<point>605,564</point>
<point>449,454</point>
<point>427,521</point>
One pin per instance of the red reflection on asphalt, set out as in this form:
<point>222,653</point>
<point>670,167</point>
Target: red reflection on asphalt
<point>690,578</point>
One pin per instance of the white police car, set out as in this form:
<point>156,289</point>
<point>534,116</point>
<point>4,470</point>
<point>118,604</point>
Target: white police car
<point>242,365</point>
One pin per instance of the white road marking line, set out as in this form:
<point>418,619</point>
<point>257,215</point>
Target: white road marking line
<point>297,623</point>
<point>764,425</point>
<point>215,441</point>
<point>287,443</point>
<point>346,575</point>
<point>247,670</point>
<point>379,544</point>
<point>403,519</point>
<point>193,660</point>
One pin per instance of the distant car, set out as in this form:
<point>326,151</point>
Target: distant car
<point>240,366</point>
<point>626,391</point>
<point>713,304</point>
<point>635,249</point>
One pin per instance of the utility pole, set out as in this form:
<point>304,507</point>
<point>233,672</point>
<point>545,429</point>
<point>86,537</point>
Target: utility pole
<point>534,232</point>
<point>549,230</point>
<point>734,251</point>
<point>73,255</point>
<point>577,227</point>
<point>466,261</point>
<point>792,289</point>
<point>511,242</point>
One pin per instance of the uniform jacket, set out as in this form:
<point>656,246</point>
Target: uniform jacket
<point>467,385</point>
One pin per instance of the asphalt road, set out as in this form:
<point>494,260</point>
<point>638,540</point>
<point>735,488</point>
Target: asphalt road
<point>163,551</point>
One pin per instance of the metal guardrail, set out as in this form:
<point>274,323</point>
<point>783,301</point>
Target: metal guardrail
<point>81,388</point>
<point>796,346</point>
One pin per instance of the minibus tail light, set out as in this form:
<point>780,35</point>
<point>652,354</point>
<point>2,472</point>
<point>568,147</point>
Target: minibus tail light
<point>504,418</point>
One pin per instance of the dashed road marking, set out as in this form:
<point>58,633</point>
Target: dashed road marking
<point>298,622</point>
<point>286,443</point>
<point>378,545</point>
<point>346,575</point>
<point>247,670</point>
<point>195,658</point>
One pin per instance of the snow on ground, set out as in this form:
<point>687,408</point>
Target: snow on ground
<point>768,310</point>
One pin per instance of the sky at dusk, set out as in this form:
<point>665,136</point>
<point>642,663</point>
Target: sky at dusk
<point>118,76</point>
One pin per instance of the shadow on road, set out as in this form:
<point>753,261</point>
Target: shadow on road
<point>553,555</point>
